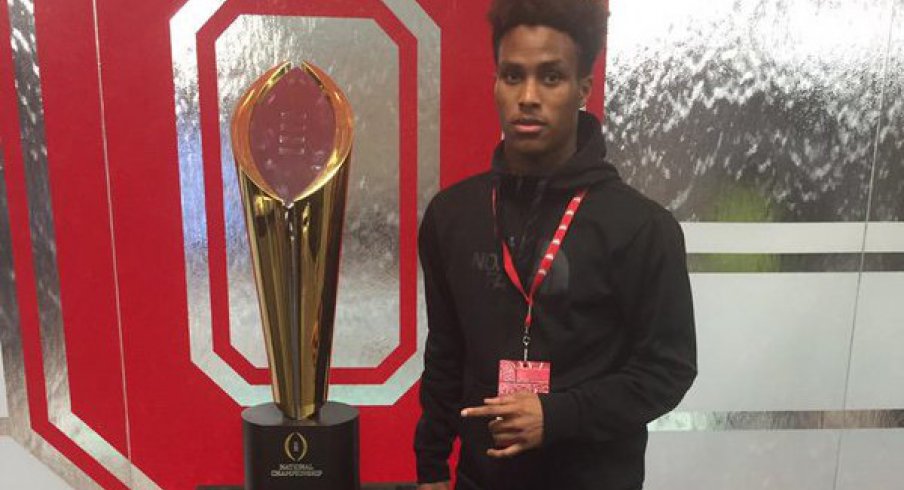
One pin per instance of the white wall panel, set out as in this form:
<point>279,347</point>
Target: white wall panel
<point>771,341</point>
<point>742,460</point>
<point>871,460</point>
<point>794,238</point>
<point>19,470</point>
<point>877,362</point>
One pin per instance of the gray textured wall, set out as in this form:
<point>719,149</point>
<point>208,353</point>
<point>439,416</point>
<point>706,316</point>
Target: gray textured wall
<point>772,129</point>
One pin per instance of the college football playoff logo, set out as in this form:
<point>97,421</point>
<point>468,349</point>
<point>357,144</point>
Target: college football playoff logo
<point>296,447</point>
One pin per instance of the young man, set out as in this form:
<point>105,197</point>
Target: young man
<point>549,258</point>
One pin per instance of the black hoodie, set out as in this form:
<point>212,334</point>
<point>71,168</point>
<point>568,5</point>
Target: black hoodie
<point>614,317</point>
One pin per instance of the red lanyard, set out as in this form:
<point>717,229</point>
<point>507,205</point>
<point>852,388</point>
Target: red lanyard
<point>545,262</point>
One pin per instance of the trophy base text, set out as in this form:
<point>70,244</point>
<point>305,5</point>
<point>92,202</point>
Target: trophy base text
<point>320,453</point>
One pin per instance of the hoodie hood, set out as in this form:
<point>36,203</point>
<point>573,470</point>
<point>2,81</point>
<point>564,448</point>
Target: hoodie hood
<point>588,166</point>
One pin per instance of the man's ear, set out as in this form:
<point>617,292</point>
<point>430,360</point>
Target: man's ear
<point>585,85</point>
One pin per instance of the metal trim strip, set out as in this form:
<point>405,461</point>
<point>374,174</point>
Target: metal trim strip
<point>779,420</point>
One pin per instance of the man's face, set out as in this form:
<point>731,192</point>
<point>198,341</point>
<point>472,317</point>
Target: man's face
<point>538,94</point>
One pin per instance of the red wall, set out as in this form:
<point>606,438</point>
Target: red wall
<point>115,190</point>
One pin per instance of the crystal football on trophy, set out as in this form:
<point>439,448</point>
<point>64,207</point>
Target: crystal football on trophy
<point>291,138</point>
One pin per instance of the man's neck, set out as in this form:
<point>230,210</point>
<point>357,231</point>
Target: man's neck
<point>537,165</point>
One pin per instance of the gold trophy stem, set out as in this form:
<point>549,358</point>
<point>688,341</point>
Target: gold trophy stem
<point>295,326</point>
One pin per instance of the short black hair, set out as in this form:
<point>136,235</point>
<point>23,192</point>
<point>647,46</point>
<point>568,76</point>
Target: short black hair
<point>583,20</point>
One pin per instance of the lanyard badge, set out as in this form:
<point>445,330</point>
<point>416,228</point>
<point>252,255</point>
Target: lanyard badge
<point>524,375</point>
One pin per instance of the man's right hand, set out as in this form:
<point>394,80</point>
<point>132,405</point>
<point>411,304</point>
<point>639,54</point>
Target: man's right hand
<point>440,485</point>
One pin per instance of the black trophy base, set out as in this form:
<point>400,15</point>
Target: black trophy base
<point>321,453</point>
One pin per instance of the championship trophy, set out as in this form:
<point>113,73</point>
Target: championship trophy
<point>292,138</point>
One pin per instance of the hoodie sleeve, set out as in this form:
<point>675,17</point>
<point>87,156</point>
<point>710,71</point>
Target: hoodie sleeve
<point>653,289</point>
<point>441,381</point>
